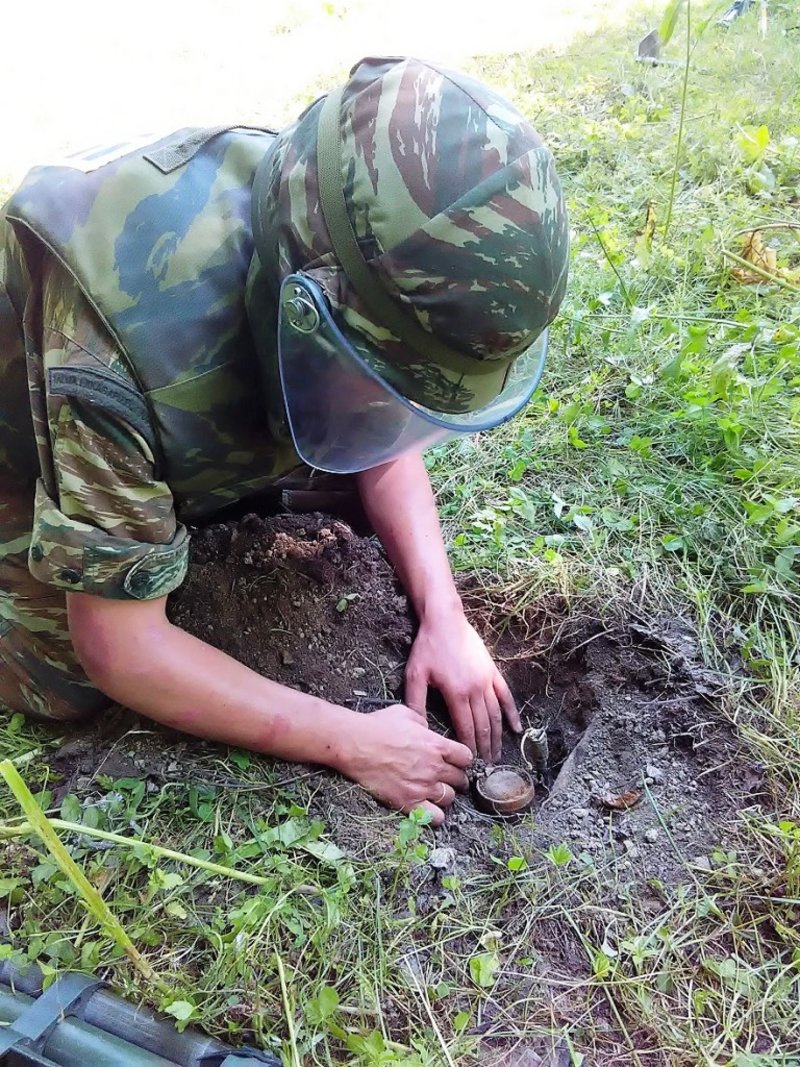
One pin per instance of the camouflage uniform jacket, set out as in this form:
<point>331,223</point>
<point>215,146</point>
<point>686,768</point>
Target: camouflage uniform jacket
<point>132,398</point>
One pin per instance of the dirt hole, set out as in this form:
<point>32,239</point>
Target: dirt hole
<point>630,714</point>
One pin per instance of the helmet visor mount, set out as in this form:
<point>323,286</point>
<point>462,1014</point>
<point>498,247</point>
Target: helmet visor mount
<point>343,416</point>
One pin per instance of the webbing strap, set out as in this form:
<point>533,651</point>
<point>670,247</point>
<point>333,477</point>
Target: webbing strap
<point>109,392</point>
<point>380,305</point>
<point>65,996</point>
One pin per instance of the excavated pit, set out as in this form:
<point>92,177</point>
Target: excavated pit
<point>642,770</point>
<point>639,757</point>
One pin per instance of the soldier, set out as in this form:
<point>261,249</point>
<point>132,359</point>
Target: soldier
<point>185,323</point>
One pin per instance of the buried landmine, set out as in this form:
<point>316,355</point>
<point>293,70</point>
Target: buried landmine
<point>626,746</point>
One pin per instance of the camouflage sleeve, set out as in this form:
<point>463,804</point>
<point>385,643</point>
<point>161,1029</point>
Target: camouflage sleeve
<point>104,523</point>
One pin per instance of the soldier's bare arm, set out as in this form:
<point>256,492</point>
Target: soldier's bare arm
<point>447,652</point>
<point>133,653</point>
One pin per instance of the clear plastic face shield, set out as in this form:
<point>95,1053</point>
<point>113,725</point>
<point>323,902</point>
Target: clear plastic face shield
<point>343,416</point>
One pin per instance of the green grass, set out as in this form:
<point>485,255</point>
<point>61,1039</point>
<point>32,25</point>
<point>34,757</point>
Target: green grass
<point>657,465</point>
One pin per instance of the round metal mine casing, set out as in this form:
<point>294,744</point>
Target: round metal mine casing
<point>504,790</point>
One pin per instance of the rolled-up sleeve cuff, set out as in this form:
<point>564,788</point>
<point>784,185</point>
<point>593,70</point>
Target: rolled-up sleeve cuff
<point>80,558</point>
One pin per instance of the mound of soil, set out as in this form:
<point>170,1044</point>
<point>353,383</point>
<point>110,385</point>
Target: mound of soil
<point>301,599</point>
<point>638,762</point>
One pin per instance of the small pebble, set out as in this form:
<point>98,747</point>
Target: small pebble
<point>651,835</point>
<point>442,859</point>
<point>703,863</point>
<point>580,813</point>
<point>654,772</point>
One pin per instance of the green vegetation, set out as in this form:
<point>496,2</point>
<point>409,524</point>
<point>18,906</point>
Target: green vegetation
<point>658,464</point>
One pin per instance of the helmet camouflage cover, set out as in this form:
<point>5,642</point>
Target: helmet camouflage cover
<point>456,208</point>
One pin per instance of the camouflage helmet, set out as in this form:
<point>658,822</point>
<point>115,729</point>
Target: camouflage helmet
<point>458,218</point>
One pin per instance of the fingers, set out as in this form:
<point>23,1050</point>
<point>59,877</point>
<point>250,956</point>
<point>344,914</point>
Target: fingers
<point>436,813</point>
<point>454,776</point>
<point>483,728</point>
<point>488,721</point>
<point>456,753</point>
<point>419,715</point>
<point>442,795</point>
<point>495,716</point>
<point>416,690</point>
<point>461,714</point>
<point>506,699</point>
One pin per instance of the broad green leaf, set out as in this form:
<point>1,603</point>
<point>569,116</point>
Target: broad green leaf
<point>601,964</point>
<point>240,758</point>
<point>560,854</point>
<point>326,851</point>
<point>483,969</point>
<point>71,808</point>
<point>323,1005</point>
<point>752,142</point>
<point>461,1021</point>
<point>670,20</point>
<point>673,543</point>
<point>181,1010</point>
<point>583,523</point>
<point>167,879</point>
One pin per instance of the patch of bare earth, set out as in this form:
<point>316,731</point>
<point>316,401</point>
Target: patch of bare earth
<point>640,757</point>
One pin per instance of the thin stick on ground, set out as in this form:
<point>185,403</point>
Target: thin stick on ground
<point>288,1012</point>
<point>21,829</point>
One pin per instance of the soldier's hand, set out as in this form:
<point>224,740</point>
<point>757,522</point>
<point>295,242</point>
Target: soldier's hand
<point>449,655</point>
<point>405,765</point>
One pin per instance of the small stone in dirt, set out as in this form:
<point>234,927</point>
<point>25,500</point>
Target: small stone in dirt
<point>287,659</point>
<point>580,813</point>
<point>442,859</point>
<point>651,835</point>
<point>358,672</point>
<point>702,863</point>
<point>654,772</point>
